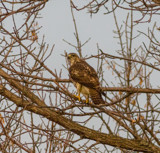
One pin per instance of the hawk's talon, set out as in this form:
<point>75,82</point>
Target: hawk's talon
<point>87,101</point>
<point>79,98</point>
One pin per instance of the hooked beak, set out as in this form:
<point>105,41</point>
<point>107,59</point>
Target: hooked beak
<point>68,57</point>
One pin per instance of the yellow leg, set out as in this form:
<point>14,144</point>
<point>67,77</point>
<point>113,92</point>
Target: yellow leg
<point>79,98</point>
<point>87,100</point>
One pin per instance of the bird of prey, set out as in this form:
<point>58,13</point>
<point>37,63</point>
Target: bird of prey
<point>85,79</point>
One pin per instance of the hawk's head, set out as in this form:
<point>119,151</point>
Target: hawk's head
<point>73,58</point>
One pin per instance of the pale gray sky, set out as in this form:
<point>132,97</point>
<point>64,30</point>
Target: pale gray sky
<point>57,24</point>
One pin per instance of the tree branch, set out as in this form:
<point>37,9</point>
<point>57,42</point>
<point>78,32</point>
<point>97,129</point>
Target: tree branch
<point>84,132</point>
<point>132,90</point>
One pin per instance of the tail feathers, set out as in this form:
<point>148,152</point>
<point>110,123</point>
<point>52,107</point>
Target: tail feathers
<point>96,97</point>
<point>99,89</point>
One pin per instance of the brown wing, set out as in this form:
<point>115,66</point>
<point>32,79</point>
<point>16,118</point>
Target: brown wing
<point>84,74</point>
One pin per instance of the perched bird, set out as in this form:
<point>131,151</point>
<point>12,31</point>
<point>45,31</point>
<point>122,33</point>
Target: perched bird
<point>85,79</point>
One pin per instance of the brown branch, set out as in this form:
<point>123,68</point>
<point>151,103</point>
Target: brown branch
<point>23,9</point>
<point>14,141</point>
<point>132,90</point>
<point>127,59</point>
<point>84,132</point>
<point>78,9</point>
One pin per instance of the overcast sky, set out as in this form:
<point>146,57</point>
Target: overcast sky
<point>57,24</point>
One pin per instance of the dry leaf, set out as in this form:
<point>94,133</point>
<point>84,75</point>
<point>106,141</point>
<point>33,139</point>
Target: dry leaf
<point>114,66</point>
<point>146,105</point>
<point>126,101</point>
<point>133,121</point>
<point>141,81</point>
<point>120,93</point>
<point>141,117</point>
<point>34,35</point>
<point>133,102</point>
<point>24,121</point>
<point>2,119</point>
<point>112,72</point>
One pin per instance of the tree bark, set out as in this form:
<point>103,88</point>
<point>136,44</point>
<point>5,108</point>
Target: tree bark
<point>34,104</point>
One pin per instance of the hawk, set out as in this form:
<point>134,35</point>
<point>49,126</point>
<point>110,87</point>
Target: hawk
<point>85,79</point>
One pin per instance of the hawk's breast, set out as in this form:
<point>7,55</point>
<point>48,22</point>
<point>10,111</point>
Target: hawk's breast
<point>84,90</point>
